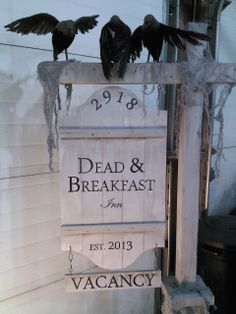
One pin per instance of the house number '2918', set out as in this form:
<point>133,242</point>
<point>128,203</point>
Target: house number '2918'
<point>107,97</point>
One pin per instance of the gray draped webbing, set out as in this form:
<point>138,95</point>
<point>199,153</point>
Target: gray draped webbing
<point>51,101</point>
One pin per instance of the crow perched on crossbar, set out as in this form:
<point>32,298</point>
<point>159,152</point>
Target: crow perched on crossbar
<point>152,34</point>
<point>114,46</point>
<point>63,33</point>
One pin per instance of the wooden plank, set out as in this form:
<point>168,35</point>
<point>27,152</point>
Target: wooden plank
<point>30,171</point>
<point>29,273</point>
<point>12,135</point>
<point>20,198</point>
<point>28,155</point>
<point>137,73</point>
<point>25,255</point>
<point>188,194</point>
<point>28,181</point>
<point>133,201</point>
<point>29,235</point>
<point>112,151</point>
<point>114,250</point>
<point>34,294</point>
<point>29,216</point>
<point>123,132</point>
<point>189,173</point>
<point>153,156</point>
<point>97,109</point>
<point>112,228</point>
<point>9,294</point>
<point>112,280</point>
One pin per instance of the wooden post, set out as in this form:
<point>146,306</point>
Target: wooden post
<point>189,172</point>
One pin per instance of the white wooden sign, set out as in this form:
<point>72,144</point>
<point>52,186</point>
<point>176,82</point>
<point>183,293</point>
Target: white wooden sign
<point>112,281</point>
<point>113,168</point>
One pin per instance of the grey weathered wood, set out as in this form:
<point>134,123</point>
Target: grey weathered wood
<point>112,228</point>
<point>113,159</point>
<point>137,73</point>
<point>189,172</point>
<point>112,280</point>
<point>112,132</point>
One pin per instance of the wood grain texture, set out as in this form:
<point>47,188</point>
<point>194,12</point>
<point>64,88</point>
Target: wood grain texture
<point>113,159</point>
<point>112,281</point>
<point>189,173</point>
<point>138,73</point>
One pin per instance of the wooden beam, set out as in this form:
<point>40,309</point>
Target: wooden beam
<point>137,73</point>
<point>113,228</point>
<point>114,132</point>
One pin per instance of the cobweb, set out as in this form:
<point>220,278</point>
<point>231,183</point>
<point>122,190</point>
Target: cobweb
<point>49,79</point>
<point>195,80</point>
<point>219,117</point>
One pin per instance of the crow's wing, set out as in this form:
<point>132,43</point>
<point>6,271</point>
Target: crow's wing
<point>40,24</point>
<point>125,56</point>
<point>136,44</point>
<point>105,50</point>
<point>85,23</point>
<point>124,60</point>
<point>174,36</point>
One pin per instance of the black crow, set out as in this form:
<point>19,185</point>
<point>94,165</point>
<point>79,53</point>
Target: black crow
<point>114,40</point>
<point>152,34</point>
<point>63,33</point>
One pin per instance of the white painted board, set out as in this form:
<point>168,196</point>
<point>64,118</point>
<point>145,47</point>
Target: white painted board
<point>113,168</point>
<point>112,281</point>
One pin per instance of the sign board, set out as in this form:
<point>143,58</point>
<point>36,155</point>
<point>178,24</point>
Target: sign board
<point>112,281</point>
<point>113,168</point>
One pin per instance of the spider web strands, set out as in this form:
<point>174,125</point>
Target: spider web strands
<point>137,73</point>
<point>219,117</point>
<point>52,103</point>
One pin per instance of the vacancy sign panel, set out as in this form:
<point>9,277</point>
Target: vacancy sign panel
<point>113,168</point>
<point>112,281</point>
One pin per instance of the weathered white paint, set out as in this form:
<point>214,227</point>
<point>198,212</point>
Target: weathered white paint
<point>138,73</point>
<point>73,229</point>
<point>189,171</point>
<point>112,281</point>
<point>111,148</point>
<point>53,296</point>
<point>116,132</point>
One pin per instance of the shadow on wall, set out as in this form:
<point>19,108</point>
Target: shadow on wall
<point>13,92</point>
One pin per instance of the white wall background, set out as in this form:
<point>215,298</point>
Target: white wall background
<point>32,265</point>
<point>223,188</point>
